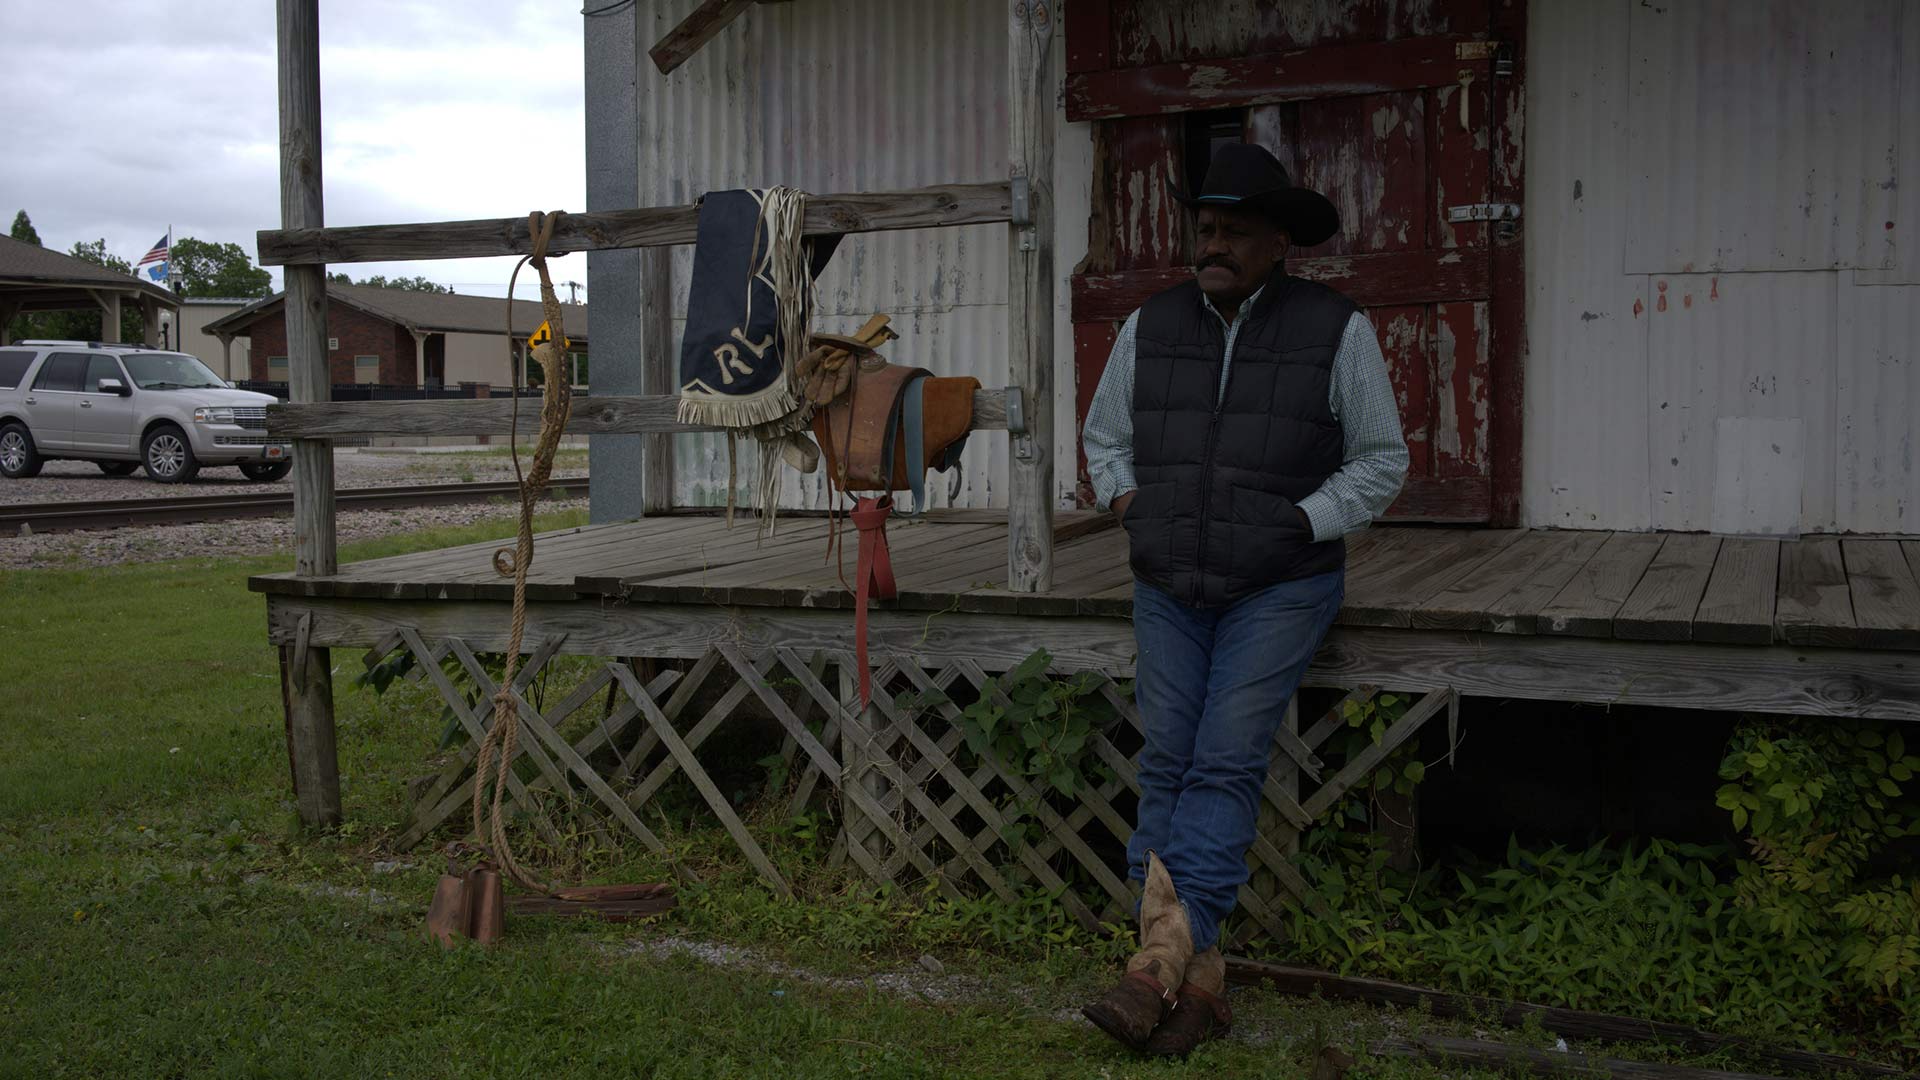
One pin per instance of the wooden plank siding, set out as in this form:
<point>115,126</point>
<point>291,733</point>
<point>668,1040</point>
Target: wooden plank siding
<point>1819,592</point>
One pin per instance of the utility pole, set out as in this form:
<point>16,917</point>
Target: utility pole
<point>573,292</point>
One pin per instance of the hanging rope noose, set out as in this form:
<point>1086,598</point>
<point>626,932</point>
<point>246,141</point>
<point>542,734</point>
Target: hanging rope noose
<point>501,743</point>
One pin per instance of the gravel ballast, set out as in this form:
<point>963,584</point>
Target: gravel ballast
<point>74,481</point>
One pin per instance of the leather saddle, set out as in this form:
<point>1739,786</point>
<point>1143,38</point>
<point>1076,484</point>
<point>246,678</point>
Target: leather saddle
<point>881,426</point>
<point>891,425</point>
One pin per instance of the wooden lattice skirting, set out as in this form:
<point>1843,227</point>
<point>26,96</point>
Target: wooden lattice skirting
<point>913,802</point>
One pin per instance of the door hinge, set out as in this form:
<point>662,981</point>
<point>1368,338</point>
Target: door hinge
<point>1484,211</point>
<point>1497,51</point>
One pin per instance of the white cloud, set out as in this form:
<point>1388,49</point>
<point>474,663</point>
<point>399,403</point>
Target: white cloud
<point>133,116</point>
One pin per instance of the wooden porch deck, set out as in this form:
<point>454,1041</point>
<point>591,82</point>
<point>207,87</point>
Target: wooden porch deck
<point>1676,587</point>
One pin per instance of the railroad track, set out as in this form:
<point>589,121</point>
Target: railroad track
<point>121,513</point>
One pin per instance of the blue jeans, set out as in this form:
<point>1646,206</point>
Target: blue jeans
<point>1212,685</point>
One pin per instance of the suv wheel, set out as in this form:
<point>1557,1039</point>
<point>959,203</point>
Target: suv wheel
<point>266,472</point>
<point>18,458</point>
<point>118,468</point>
<point>167,456</point>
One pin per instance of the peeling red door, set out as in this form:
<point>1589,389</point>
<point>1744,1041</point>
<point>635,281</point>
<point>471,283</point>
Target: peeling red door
<point>1399,113</point>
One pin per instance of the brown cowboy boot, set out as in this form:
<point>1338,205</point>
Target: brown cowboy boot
<point>1130,1011</point>
<point>1200,1013</point>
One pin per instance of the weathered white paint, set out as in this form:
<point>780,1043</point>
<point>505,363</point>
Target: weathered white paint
<point>1764,134</point>
<point>1586,415</point>
<point>1760,472</point>
<point>1737,345</point>
<point>1876,393</point>
<point>865,95</point>
<point>1710,186</point>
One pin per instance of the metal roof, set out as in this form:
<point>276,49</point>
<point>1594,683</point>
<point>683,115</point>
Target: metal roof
<point>421,312</point>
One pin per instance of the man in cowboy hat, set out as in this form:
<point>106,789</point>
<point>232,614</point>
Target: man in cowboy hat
<point>1244,424</point>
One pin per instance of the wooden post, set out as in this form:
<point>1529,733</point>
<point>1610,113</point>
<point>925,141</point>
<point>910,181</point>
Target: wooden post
<point>150,324</point>
<point>109,316</point>
<point>657,363</point>
<point>1033,82</point>
<point>310,738</point>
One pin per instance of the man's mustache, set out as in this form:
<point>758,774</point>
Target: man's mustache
<point>1218,260</point>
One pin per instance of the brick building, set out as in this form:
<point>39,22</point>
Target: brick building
<point>401,338</point>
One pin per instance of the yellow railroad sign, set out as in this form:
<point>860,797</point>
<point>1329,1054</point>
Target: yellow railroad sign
<point>544,335</point>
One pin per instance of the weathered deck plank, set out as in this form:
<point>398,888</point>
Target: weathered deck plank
<point>1508,582</point>
<point>1738,605</point>
<point>1661,607</point>
<point>1886,599</point>
<point>1386,592</point>
<point>1587,604</point>
<point>1815,606</point>
<point>1469,603</point>
<point>1518,612</point>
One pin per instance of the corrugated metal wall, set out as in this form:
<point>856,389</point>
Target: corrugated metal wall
<point>861,95</point>
<point>1715,205</point>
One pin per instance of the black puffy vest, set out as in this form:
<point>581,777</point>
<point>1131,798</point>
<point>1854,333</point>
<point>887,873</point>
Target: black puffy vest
<point>1214,519</point>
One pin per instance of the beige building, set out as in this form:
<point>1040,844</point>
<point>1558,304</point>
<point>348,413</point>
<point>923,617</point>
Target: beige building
<point>188,333</point>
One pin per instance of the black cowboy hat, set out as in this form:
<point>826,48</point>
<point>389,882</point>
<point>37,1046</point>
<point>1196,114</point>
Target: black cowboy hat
<point>1248,176</point>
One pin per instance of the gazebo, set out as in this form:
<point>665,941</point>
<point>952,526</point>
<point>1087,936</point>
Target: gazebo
<point>33,278</point>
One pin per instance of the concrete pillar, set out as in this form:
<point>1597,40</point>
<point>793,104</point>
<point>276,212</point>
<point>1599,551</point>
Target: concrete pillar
<point>150,324</point>
<point>419,359</point>
<point>226,355</point>
<point>617,462</point>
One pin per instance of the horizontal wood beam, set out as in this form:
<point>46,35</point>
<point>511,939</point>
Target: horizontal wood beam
<point>1573,1023</point>
<point>599,628</point>
<point>1601,671</point>
<point>612,415</point>
<point>881,211</point>
<point>707,20</point>
<point>1684,675</point>
<point>1324,71</point>
<point>1395,277</point>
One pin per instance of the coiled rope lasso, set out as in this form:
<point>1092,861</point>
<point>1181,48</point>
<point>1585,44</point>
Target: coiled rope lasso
<point>501,743</point>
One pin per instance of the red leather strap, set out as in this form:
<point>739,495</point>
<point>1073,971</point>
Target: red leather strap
<point>1159,990</point>
<point>874,572</point>
<point>1222,1015</point>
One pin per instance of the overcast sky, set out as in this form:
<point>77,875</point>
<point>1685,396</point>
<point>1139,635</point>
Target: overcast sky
<point>124,117</point>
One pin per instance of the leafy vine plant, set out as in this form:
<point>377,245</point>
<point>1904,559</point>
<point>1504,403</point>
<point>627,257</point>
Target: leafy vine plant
<point>1039,728</point>
<point>1823,806</point>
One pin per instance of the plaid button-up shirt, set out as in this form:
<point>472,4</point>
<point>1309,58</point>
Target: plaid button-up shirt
<point>1361,397</point>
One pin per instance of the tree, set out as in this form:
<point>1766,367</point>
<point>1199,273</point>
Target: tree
<point>416,283</point>
<point>23,230</point>
<point>202,268</point>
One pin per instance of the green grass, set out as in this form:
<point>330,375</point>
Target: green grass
<point>161,915</point>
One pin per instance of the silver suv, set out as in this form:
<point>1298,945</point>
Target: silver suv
<point>123,407</point>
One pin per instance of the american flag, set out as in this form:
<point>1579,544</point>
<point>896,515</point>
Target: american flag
<point>153,264</point>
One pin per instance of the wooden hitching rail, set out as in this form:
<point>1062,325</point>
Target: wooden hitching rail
<point>993,410</point>
<point>879,211</point>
